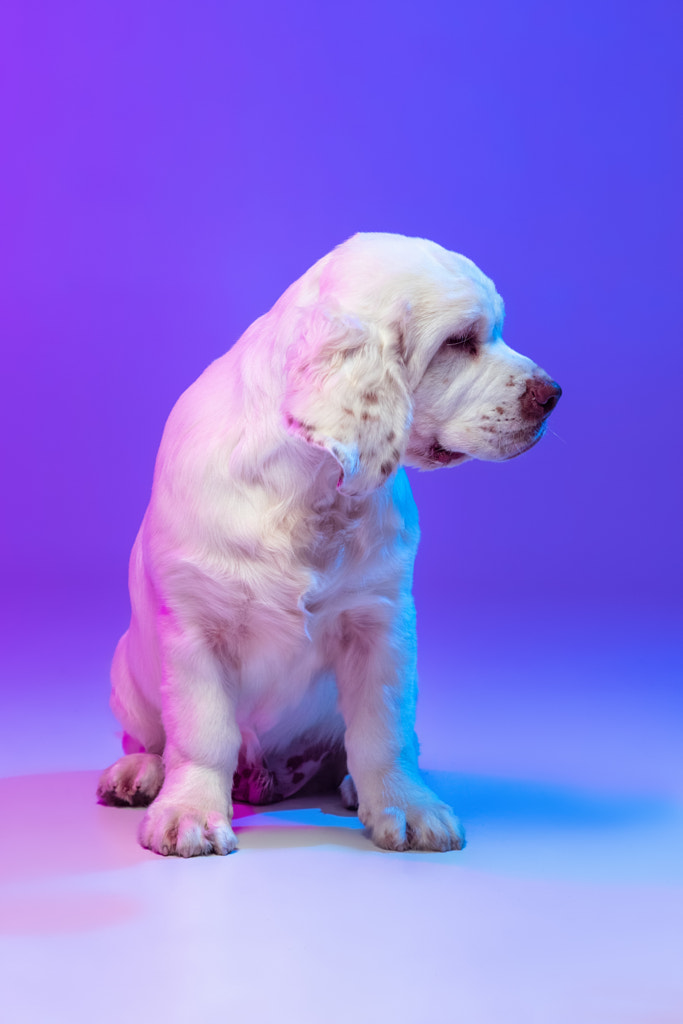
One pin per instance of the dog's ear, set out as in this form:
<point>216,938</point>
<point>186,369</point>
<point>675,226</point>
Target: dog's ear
<point>347,392</point>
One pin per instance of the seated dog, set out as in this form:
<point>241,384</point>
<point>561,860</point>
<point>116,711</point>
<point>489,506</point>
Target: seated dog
<point>272,640</point>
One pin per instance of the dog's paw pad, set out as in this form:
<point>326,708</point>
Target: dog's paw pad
<point>133,781</point>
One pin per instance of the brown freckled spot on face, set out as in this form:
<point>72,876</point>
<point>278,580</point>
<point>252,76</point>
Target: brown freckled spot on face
<point>349,412</point>
<point>486,417</point>
<point>386,468</point>
<point>500,409</point>
<point>510,383</point>
<point>371,397</point>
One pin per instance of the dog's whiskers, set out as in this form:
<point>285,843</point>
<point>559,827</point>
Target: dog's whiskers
<point>550,430</point>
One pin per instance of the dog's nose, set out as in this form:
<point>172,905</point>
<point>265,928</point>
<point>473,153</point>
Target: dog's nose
<point>540,398</point>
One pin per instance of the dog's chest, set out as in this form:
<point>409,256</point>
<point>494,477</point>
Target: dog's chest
<point>335,540</point>
<point>290,633</point>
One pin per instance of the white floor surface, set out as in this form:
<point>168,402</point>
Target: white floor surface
<point>560,750</point>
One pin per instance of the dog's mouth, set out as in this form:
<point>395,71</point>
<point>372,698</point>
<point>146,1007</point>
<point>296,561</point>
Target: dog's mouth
<point>443,456</point>
<point>514,444</point>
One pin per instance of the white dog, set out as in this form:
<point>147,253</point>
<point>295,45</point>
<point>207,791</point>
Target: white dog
<point>272,639</point>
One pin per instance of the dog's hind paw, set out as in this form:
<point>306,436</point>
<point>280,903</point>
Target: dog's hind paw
<point>133,781</point>
<point>347,791</point>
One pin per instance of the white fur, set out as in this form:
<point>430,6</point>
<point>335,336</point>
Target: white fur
<point>271,578</point>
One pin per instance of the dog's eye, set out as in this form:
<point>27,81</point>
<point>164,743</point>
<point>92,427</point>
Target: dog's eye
<point>466,343</point>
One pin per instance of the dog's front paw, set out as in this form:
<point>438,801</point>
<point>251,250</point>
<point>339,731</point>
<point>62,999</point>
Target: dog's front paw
<point>186,832</point>
<point>425,825</point>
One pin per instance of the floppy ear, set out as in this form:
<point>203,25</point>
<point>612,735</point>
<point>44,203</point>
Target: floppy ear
<point>346,392</point>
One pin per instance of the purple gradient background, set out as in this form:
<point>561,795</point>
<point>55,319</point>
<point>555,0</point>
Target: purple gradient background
<point>168,170</point>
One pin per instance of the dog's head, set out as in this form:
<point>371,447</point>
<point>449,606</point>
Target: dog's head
<point>399,358</point>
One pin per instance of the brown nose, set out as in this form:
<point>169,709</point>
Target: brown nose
<point>540,398</point>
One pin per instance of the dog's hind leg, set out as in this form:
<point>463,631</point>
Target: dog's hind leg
<point>132,705</point>
<point>136,778</point>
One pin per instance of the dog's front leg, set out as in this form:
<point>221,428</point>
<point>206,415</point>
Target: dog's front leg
<point>193,810</point>
<point>377,682</point>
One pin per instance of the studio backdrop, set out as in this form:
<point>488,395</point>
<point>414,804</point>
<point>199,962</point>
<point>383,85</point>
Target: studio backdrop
<point>169,169</point>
